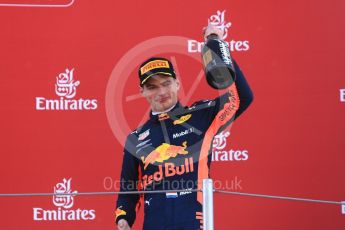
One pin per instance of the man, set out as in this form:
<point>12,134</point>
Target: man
<point>171,151</point>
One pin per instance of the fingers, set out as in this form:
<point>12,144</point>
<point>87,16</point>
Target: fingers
<point>211,29</point>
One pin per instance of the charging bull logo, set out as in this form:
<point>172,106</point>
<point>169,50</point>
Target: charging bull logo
<point>163,153</point>
<point>169,169</point>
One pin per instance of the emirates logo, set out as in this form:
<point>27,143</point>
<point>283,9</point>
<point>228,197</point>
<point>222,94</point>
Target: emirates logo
<point>65,85</point>
<point>63,200</point>
<point>218,20</point>
<point>66,90</point>
<point>219,141</point>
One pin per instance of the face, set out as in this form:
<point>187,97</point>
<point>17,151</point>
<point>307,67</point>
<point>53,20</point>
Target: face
<point>161,92</point>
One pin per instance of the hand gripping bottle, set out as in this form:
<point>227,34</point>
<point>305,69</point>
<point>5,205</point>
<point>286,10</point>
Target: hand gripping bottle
<point>219,67</point>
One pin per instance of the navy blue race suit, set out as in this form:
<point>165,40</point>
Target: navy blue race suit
<point>173,151</point>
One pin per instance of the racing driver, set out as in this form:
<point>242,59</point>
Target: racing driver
<point>171,151</point>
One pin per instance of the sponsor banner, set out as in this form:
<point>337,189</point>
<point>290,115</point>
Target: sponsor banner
<point>220,152</point>
<point>66,90</point>
<point>287,127</point>
<point>63,200</point>
<point>220,22</point>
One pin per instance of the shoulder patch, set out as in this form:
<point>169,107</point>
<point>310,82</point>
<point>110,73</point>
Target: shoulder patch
<point>143,135</point>
<point>202,104</point>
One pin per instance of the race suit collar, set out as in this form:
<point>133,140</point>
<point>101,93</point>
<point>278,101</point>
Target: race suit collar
<point>163,116</point>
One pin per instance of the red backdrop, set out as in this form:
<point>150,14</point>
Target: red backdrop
<point>290,142</point>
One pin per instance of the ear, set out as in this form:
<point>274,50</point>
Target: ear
<point>141,90</point>
<point>177,84</point>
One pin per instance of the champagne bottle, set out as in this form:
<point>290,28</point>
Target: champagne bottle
<point>218,64</point>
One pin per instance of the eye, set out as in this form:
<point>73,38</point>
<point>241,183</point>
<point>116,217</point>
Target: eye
<point>150,87</point>
<point>167,83</point>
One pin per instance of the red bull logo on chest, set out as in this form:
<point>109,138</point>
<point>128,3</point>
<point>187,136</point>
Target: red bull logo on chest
<point>168,170</point>
<point>163,153</point>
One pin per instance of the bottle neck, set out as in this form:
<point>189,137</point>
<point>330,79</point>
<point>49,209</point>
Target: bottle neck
<point>213,36</point>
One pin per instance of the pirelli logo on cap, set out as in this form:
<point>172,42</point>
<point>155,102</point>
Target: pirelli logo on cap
<point>154,65</point>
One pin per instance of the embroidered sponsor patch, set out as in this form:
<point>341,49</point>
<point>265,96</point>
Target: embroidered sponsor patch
<point>164,152</point>
<point>143,143</point>
<point>141,148</point>
<point>120,212</point>
<point>143,135</point>
<point>187,191</point>
<point>182,119</point>
<point>171,194</point>
<point>163,116</point>
<point>158,64</point>
<point>182,133</point>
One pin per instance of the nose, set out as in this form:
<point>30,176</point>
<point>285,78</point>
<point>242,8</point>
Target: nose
<point>161,90</point>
